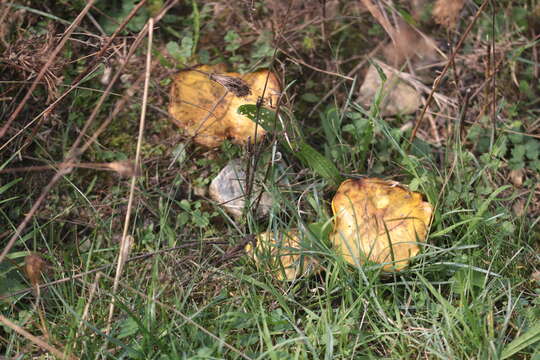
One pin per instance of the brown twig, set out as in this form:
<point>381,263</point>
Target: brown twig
<point>302,62</point>
<point>49,62</point>
<point>109,41</point>
<point>127,241</point>
<point>376,13</point>
<point>120,167</point>
<point>34,339</point>
<point>439,78</point>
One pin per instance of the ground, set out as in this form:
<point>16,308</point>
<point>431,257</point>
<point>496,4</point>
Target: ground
<point>74,203</point>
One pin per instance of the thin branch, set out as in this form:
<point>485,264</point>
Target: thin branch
<point>380,18</point>
<point>126,241</point>
<point>445,69</point>
<point>34,339</point>
<point>302,62</point>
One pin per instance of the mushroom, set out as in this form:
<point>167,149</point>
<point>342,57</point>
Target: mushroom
<point>204,102</point>
<point>285,255</point>
<point>379,221</point>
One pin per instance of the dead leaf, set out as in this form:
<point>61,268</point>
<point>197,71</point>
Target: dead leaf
<point>34,266</point>
<point>286,256</point>
<point>204,103</point>
<point>446,12</point>
<point>409,44</point>
<point>379,221</point>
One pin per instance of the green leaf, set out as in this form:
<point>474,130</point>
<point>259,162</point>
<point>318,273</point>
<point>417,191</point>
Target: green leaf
<point>526,339</point>
<point>6,187</point>
<point>263,116</point>
<point>183,51</point>
<point>300,149</point>
<point>518,153</point>
<point>128,328</point>
<point>310,97</point>
<point>321,230</point>
<point>532,147</point>
<point>233,41</point>
<point>173,48</point>
<point>318,163</point>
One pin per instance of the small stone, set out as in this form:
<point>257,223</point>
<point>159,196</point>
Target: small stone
<point>228,189</point>
<point>397,96</point>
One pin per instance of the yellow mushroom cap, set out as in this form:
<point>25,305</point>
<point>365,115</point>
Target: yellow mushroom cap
<point>207,111</point>
<point>285,255</point>
<point>380,221</point>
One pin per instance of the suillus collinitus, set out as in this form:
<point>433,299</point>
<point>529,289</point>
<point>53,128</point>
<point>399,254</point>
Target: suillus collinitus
<point>379,221</point>
<point>204,102</point>
<point>284,253</point>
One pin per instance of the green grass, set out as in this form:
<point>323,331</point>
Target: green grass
<point>470,294</point>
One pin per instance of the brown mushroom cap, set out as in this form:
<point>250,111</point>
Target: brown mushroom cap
<point>379,221</point>
<point>205,104</point>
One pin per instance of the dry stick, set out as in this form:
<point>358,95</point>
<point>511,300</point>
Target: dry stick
<point>493,84</point>
<point>64,171</point>
<point>302,62</point>
<point>185,318</point>
<point>49,62</point>
<point>34,339</point>
<point>109,41</point>
<point>95,166</point>
<point>125,243</point>
<point>380,18</point>
<point>444,70</point>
